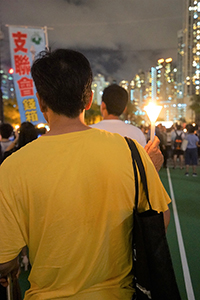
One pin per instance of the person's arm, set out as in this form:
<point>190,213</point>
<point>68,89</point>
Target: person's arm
<point>154,153</point>
<point>197,142</point>
<point>10,267</point>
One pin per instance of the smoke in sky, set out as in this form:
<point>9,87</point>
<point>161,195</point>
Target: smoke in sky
<point>118,37</point>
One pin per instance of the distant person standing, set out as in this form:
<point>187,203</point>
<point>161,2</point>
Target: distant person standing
<point>177,138</point>
<point>163,146</point>
<point>191,153</point>
<point>114,102</point>
<point>169,143</point>
<point>27,133</point>
<point>6,131</point>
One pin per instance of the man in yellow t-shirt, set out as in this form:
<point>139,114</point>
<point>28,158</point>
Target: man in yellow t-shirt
<point>69,195</point>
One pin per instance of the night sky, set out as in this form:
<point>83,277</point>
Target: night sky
<point>119,37</point>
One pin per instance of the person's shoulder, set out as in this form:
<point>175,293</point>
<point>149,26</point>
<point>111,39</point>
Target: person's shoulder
<point>17,156</point>
<point>136,133</point>
<point>99,133</point>
<point>133,128</point>
<point>98,125</point>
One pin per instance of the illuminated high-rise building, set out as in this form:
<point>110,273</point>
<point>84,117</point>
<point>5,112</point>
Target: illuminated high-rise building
<point>7,86</point>
<point>98,86</point>
<point>167,88</point>
<point>191,64</point>
<point>192,48</point>
<point>180,65</point>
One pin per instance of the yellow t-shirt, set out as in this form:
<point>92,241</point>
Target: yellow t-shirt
<point>70,199</point>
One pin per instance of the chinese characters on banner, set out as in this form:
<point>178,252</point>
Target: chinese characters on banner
<point>25,43</point>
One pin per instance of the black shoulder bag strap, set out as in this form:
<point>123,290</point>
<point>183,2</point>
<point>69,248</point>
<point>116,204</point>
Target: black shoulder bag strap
<point>137,158</point>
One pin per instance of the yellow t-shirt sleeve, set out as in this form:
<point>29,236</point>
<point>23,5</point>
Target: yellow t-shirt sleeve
<point>158,196</point>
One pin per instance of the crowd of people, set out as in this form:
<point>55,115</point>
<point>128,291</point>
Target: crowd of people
<point>180,145</point>
<point>69,195</point>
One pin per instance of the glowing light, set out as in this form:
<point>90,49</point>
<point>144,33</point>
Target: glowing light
<point>152,111</point>
<point>168,60</point>
<point>161,60</point>
<point>40,125</point>
<point>47,127</point>
<point>17,127</point>
<point>167,124</point>
<point>11,71</point>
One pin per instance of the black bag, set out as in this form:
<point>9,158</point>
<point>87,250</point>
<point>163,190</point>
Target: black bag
<point>178,141</point>
<point>154,276</point>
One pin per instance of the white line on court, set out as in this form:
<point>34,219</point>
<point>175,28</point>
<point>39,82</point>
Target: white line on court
<point>186,272</point>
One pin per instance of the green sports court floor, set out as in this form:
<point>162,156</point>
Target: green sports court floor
<point>183,232</point>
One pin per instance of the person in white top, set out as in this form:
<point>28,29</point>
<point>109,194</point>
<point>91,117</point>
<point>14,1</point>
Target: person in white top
<point>114,102</point>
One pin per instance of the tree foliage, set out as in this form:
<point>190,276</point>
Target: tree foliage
<point>131,116</point>
<point>11,112</point>
<point>93,114</point>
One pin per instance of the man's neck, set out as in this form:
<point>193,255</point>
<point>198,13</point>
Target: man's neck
<point>111,117</point>
<point>60,124</point>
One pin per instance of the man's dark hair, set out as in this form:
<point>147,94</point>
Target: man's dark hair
<point>63,80</point>
<point>6,130</point>
<point>116,98</point>
<point>190,128</point>
<point>178,127</point>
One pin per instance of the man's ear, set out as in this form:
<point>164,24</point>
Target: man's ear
<point>43,106</point>
<point>103,106</point>
<point>90,101</point>
<point>125,109</point>
<point>103,109</point>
